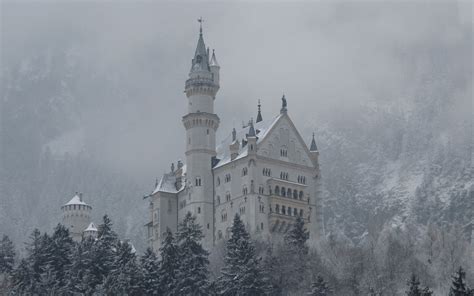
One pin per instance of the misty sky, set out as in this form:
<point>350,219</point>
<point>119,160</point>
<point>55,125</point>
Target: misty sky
<point>328,58</point>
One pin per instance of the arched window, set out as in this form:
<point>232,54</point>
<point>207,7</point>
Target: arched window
<point>295,194</point>
<point>261,189</point>
<point>277,209</point>
<point>288,193</point>
<point>295,212</point>
<point>198,181</point>
<point>301,195</point>
<point>199,210</point>
<point>227,196</point>
<point>218,181</point>
<point>244,171</point>
<point>301,212</point>
<point>289,211</point>
<point>277,190</point>
<point>244,190</point>
<point>283,191</point>
<point>283,210</point>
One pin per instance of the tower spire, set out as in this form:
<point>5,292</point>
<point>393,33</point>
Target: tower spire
<point>200,20</point>
<point>259,114</point>
<point>313,146</point>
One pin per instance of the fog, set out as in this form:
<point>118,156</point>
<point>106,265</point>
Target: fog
<point>326,57</point>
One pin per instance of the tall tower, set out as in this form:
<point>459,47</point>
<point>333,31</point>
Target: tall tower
<point>76,216</point>
<point>201,125</point>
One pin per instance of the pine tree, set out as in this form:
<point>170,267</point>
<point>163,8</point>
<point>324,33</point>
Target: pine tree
<point>169,264</point>
<point>414,288</point>
<point>23,279</point>
<point>458,286</point>
<point>294,258</point>
<point>103,253</point>
<point>126,277</point>
<point>80,271</point>
<point>242,273</point>
<point>192,274</point>
<point>151,279</point>
<point>7,255</point>
<point>271,266</point>
<point>319,287</point>
<point>59,255</point>
<point>297,236</point>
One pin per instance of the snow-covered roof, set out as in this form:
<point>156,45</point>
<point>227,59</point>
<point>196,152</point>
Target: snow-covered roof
<point>262,128</point>
<point>91,227</point>
<point>166,184</point>
<point>76,200</point>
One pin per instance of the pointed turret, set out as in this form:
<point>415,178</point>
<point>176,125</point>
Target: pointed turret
<point>313,146</point>
<point>252,139</point>
<point>234,146</point>
<point>314,153</point>
<point>200,61</point>
<point>214,66</point>
<point>259,114</point>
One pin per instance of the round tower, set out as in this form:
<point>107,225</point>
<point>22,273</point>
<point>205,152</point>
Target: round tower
<point>76,216</point>
<point>201,125</point>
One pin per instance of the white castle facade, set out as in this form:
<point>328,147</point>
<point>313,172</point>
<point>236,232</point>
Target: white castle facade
<point>264,172</point>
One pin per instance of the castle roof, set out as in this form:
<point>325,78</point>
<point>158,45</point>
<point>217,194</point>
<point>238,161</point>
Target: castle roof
<point>167,184</point>
<point>76,200</point>
<point>261,129</point>
<point>91,227</point>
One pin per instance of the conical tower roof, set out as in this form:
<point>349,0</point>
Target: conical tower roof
<point>313,146</point>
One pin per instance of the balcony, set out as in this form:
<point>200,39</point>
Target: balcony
<point>284,211</point>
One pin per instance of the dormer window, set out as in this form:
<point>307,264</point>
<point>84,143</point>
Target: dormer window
<point>198,181</point>
<point>244,171</point>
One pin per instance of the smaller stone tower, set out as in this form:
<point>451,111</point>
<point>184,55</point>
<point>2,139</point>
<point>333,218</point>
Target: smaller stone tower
<point>76,216</point>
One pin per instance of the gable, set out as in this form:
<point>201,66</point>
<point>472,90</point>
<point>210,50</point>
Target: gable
<point>284,142</point>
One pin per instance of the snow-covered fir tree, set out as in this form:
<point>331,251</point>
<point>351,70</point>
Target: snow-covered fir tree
<point>150,270</point>
<point>459,286</point>
<point>169,264</point>
<point>242,273</point>
<point>192,274</point>
<point>414,288</point>
<point>7,255</point>
<point>319,287</point>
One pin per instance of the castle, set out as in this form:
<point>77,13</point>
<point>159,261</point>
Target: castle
<point>264,171</point>
<point>77,218</point>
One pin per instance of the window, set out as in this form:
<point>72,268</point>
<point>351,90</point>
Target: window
<point>227,178</point>
<point>284,176</point>
<point>295,212</point>
<point>218,181</point>
<point>207,131</point>
<point>223,216</point>
<point>219,234</point>
<point>277,190</point>
<point>261,189</point>
<point>199,210</point>
<point>267,172</point>
<point>295,194</point>
<point>302,179</point>
<point>289,211</point>
<point>301,195</point>
<point>242,210</point>
<point>218,200</point>
<point>245,190</point>
<point>207,225</point>
<point>227,196</point>
<point>198,181</point>
<point>283,152</point>
<point>283,210</point>
<point>301,212</point>
<point>288,193</point>
<point>262,208</point>
<point>244,171</point>
<point>277,209</point>
<point>283,191</point>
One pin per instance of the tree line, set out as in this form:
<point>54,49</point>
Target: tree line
<point>56,265</point>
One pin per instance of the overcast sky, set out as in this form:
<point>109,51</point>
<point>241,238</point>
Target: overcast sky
<point>327,57</point>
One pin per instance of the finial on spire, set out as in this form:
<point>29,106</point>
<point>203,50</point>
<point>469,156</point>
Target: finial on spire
<point>200,20</point>
<point>283,104</point>
<point>259,114</point>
